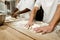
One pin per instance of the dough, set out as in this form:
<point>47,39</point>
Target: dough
<point>10,19</point>
<point>33,26</point>
<point>37,25</point>
<point>23,23</point>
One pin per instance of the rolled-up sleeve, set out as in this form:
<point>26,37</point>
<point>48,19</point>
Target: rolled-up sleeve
<point>37,3</point>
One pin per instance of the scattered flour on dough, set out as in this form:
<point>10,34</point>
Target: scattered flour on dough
<point>9,19</point>
<point>37,25</point>
<point>23,23</point>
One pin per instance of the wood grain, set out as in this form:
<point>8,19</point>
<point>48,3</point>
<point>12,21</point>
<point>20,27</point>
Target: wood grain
<point>36,36</point>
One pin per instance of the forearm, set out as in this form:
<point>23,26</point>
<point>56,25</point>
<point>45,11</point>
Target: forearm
<point>25,10</point>
<point>15,10</point>
<point>33,13</point>
<point>55,18</point>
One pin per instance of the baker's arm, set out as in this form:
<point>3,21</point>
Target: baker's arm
<point>56,17</point>
<point>33,13</point>
<point>51,26</point>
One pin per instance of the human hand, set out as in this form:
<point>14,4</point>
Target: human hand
<point>45,29</point>
<point>29,24</point>
<point>14,15</point>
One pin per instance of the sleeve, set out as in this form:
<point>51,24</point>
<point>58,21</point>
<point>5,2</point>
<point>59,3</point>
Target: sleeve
<point>18,4</point>
<point>30,4</point>
<point>37,3</point>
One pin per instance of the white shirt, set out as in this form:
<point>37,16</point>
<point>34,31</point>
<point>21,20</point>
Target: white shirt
<point>58,1</point>
<point>49,7</point>
<point>25,4</point>
<point>3,8</point>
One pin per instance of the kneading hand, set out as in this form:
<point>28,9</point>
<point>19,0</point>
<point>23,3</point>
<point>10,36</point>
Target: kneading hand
<point>45,29</point>
<point>29,24</point>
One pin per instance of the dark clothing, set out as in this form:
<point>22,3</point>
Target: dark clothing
<point>39,15</point>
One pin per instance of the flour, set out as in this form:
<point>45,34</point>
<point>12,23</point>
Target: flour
<point>21,24</point>
<point>10,19</point>
<point>35,25</point>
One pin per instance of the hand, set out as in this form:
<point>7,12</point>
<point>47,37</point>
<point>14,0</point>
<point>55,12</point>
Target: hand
<point>45,29</point>
<point>29,24</point>
<point>14,15</point>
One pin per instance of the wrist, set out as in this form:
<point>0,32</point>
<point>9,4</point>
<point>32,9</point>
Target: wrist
<point>19,13</point>
<point>51,25</point>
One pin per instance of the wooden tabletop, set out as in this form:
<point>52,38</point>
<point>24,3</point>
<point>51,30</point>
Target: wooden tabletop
<point>8,33</point>
<point>32,35</point>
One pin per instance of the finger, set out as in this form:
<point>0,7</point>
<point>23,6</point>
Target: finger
<point>35,29</point>
<point>49,31</point>
<point>38,30</point>
<point>44,31</point>
<point>27,26</point>
<point>16,17</point>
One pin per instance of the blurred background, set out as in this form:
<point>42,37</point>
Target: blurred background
<point>8,5</point>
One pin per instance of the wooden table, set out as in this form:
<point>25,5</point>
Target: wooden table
<point>32,35</point>
<point>8,33</point>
